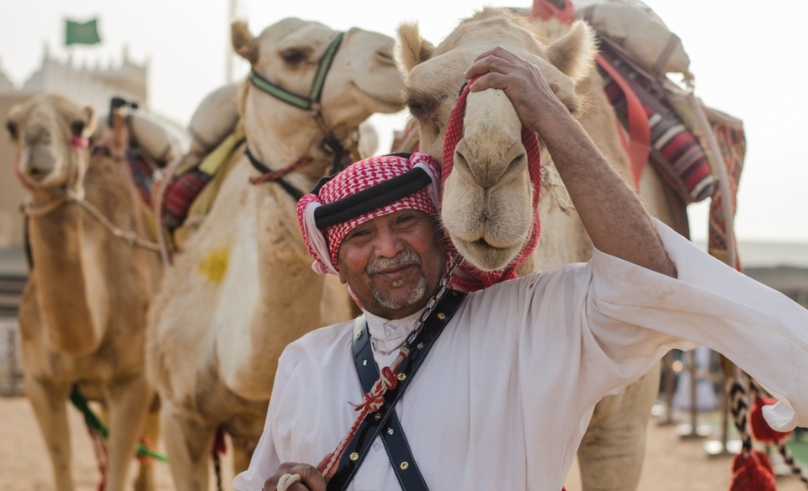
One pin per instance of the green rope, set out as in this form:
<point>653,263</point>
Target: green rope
<point>95,424</point>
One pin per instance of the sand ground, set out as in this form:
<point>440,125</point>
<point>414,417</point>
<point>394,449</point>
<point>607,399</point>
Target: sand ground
<point>671,464</point>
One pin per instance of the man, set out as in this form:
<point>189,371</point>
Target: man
<point>507,384</point>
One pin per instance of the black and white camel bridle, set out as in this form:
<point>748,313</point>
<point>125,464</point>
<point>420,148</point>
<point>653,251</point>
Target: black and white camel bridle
<point>310,104</point>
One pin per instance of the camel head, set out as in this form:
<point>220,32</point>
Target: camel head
<point>362,79</point>
<point>46,131</point>
<point>487,199</point>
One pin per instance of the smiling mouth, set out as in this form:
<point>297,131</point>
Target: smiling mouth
<point>393,271</point>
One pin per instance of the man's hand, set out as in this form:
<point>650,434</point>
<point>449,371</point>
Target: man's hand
<point>311,479</point>
<point>531,95</point>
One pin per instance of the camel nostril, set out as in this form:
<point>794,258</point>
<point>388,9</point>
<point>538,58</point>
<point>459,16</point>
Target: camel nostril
<point>466,169</point>
<point>515,165</point>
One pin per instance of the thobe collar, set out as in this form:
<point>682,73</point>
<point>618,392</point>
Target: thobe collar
<point>388,335</point>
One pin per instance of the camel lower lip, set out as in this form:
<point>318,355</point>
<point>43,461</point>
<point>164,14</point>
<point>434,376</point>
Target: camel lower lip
<point>485,256</point>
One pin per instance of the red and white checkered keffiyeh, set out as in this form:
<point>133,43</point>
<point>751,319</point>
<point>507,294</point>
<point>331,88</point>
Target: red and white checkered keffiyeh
<point>357,177</point>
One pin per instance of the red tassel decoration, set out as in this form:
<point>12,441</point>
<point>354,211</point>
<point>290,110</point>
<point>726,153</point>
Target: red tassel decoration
<point>761,430</point>
<point>750,475</point>
<point>762,458</point>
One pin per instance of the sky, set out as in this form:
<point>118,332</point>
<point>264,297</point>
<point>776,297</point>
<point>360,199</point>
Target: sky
<point>748,62</point>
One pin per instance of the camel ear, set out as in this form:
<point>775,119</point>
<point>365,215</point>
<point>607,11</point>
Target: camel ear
<point>84,125</point>
<point>11,123</point>
<point>574,54</point>
<point>243,41</point>
<point>411,49</point>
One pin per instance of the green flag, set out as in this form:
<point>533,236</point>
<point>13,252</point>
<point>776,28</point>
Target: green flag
<point>81,33</point>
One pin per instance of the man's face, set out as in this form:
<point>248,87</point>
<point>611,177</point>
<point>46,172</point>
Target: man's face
<point>393,263</point>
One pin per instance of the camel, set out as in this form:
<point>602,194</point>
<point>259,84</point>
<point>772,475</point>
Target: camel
<point>243,288</point>
<point>83,312</point>
<point>612,450</point>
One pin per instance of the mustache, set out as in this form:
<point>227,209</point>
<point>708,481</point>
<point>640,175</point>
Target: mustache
<point>403,257</point>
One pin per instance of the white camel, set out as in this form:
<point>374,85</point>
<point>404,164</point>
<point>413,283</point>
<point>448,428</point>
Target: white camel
<point>612,451</point>
<point>243,289</point>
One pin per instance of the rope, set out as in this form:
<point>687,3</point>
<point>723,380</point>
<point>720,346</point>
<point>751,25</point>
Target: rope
<point>278,174</point>
<point>286,481</point>
<point>217,470</point>
<point>128,235</point>
<point>788,457</point>
<point>100,456</point>
<point>374,400</point>
<point>36,211</point>
<point>739,405</point>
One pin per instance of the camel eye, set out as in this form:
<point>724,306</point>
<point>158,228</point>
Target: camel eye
<point>417,108</point>
<point>294,56</point>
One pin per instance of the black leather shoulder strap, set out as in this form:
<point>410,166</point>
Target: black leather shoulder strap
<point>385,422</point>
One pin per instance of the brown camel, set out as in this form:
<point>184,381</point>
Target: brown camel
<point>243,288</point>
<point>83,313</point>
<point>612,450</point>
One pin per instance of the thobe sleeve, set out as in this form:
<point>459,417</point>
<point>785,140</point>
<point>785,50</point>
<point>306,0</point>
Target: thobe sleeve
<point>265,460</point>
<point>632,316</point>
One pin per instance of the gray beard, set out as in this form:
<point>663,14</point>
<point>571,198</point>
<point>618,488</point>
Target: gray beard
<point>415,296</point>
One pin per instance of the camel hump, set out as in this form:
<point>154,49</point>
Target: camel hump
<point>214,119</point>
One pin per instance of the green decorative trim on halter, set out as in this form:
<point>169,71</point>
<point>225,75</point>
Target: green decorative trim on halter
<point>311,102</point>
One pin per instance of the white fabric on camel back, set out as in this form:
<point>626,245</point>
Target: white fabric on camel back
<point>637,33</point>
<point>214,119</point>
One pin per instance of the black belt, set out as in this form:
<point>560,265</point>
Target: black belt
<point>385,422</point>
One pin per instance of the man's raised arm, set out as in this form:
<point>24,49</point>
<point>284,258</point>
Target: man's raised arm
<point>611,212</point>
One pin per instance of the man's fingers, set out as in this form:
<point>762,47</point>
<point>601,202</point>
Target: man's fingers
<point>311,477</point>
<point>499,52</point>
<point>490,81</point>
<point>488,64</point>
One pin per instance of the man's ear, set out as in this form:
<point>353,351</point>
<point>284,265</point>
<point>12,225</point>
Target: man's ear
<point>243,41</point>
<point>343,278</point>
<point>411,48</point>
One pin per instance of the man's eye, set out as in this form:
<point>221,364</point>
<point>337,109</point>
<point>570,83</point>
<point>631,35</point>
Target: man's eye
<point>405,218</point>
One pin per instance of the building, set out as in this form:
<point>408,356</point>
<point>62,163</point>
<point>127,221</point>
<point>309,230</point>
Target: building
<point>94,85</point>
<point>781,266</point>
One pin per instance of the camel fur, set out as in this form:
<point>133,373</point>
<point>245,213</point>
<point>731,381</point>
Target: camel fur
<point>244,288</point>
<point>83,312</point>
<point>486,205</point>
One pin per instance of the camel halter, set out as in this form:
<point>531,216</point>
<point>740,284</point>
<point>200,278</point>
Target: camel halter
<point>310,104</point>
<point>77,196</point>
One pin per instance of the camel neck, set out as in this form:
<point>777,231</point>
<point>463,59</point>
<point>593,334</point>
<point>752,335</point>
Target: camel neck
<point>288,300</point>
<point>60,255</point>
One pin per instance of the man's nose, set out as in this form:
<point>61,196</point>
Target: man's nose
<point>388,244</point>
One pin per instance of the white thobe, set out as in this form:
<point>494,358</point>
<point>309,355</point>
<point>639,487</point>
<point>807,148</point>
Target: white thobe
<point>505,395</point>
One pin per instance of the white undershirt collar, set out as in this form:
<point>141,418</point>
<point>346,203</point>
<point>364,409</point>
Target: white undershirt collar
<point>388,335</point>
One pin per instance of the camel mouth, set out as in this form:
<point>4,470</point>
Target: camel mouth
<point>36,175</point>
<point>384,104</point>
<point>485,256</point>
<point>382,101</point>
